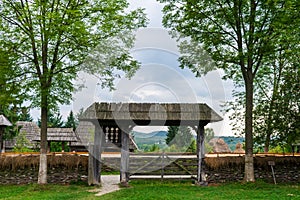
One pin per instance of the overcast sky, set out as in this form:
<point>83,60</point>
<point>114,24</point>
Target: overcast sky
<point>159,79</point>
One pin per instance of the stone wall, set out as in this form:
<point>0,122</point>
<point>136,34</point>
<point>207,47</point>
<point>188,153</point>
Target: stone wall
<point>67,168</point>
<point>286,169</point>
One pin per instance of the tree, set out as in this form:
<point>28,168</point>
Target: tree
<point>237,35</point>
<point>71,121</point>
<point>180,136</point>
<point>172,131</point>
<point>12,93</point>
<point>51,39</point>
<point>22,143</point>
<point>275,107</point>
<point>54,120</point>
<point>209,134</point>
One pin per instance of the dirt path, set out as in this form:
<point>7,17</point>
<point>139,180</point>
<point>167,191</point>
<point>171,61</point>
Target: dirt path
<point>110,183</point>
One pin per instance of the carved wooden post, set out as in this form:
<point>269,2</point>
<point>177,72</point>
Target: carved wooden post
<point>124,176</point>
<point>94,170</point>
<point>201,180</point>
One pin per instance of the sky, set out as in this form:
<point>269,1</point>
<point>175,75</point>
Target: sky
<point>159,79</point>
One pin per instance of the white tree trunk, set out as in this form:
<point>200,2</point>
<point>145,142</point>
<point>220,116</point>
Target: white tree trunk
<point>42,177</point>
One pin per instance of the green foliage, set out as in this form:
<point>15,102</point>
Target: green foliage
<point>242,38</point>
<point>208,148</point>
<point>172,131</point>
<point>50,41</point>
<point>193,147</point>
<point>57,147</point>
<point>180,136</point>
<point>71,121</point>
<point>154,148</point>
<point>54,120</point>
<point>209,134</point>
<point>22,143</point>
<point>12,93</point>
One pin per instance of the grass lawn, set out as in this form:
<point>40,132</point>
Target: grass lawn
<point>143,189</point>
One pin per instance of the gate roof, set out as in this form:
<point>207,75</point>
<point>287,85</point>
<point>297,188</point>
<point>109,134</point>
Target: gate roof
<point>154,114</point>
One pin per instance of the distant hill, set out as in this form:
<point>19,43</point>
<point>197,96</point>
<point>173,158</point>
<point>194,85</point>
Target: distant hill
<point>144,139</point>
<point>159,138</point>
<point>149,135</point>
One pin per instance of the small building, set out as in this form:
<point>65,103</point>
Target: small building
<point>32,134</point>
<point>4,122</point>
<point>64,135</point>
<point>30,129</point>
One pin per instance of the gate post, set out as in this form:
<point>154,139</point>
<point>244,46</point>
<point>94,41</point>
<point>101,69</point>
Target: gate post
<point>201,179</point>
<point>94,169</point>
<point>124,171</point>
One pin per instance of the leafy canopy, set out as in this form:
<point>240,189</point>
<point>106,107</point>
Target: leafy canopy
<point>50,41</point>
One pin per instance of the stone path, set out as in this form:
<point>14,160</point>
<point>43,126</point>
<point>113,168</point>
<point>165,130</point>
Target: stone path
<point>110,183</point>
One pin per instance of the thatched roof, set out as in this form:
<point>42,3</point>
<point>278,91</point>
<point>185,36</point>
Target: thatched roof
<point>4,121</point>
<point>144,113</point>
<point>219,145</point>
<point>59,135</point>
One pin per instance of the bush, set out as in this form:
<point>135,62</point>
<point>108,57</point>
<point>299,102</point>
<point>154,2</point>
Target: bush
<point>22,143</point>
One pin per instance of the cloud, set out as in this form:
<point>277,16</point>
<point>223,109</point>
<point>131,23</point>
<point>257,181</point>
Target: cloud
<point>152,9</point>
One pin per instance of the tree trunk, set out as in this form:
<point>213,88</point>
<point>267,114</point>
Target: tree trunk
<point>249,167</point>
<point>42,177</point>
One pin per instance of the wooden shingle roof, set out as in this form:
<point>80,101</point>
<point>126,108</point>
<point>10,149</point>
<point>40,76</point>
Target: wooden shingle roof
<point>59,135</point>
<point>144,113</point>
<point>4,121</point>
<point>30,129</point>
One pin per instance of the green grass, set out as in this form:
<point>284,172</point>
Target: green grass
<point>146,190</point>
<point>47,192</point>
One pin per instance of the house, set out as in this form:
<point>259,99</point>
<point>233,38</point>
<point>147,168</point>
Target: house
<point>30,129</point>
<point>58,135</point>
<point>32,134</point>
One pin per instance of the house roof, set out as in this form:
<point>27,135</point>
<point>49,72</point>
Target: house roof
<point>4,121</point>
<point>154,113</point>
<point>32,132</point>
<point>30,129</point>
<point>59,135</point>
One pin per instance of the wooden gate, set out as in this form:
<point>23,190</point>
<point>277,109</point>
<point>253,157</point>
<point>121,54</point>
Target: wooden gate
<point>163,165</point>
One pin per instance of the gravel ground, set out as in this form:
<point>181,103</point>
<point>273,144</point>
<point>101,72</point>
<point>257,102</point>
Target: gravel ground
<point>110,183</point>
